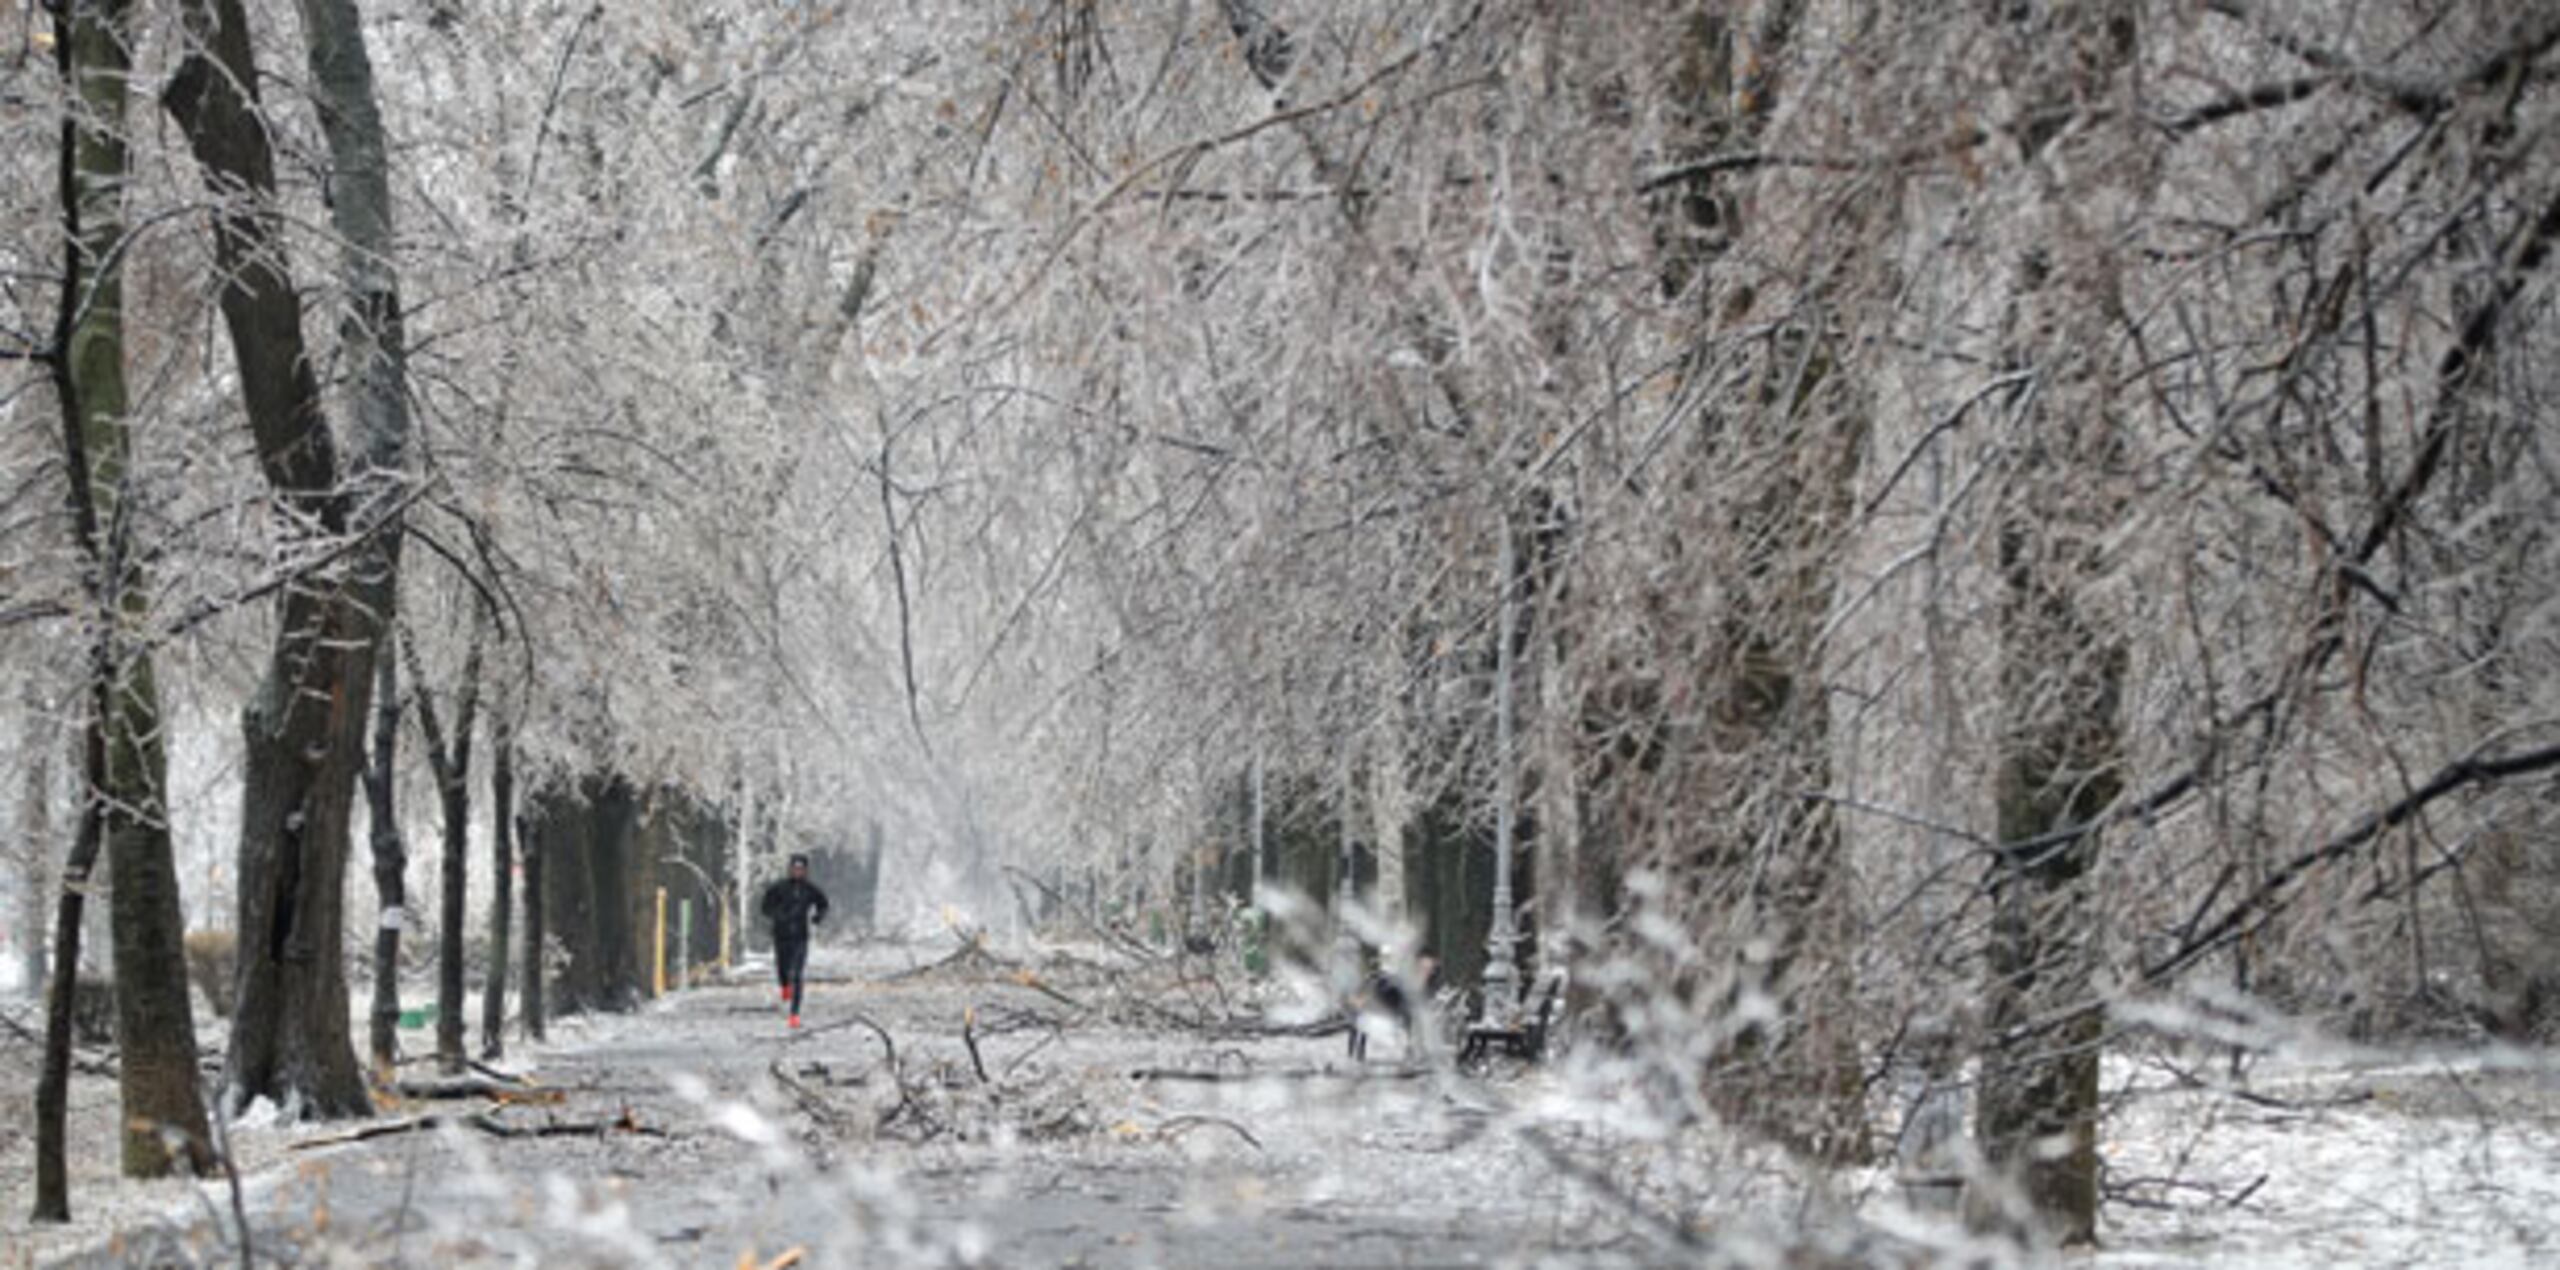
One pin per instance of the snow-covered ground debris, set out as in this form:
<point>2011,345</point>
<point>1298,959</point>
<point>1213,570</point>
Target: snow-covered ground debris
<point>983,1109</point>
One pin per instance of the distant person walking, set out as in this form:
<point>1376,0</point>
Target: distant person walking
<point>792,906</point>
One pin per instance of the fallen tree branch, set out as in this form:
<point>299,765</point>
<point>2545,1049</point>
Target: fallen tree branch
<point>1024,978</point>
<point>503,1077</point>
<point>1330,1025</point>
<point>812,1104</point>
<point>888,1048</point>
<point>1043,1043</point>
<point>1175,1127</point>
<point>489,1123</point>
<point>1663,1227</point>
<point>435,1089</point>
<point>85,1064</point>
<point>1212,1076</point>
<point>2123,1192</point>
<point>973,948</point>
<point>1115,939</point>
<point>969,1038</point>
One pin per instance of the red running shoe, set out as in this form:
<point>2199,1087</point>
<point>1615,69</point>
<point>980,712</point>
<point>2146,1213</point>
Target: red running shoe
<point>795,1020</point>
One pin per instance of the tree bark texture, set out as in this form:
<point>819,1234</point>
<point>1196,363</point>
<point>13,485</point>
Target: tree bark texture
<point>2062,679</point>
<point>127,766</point>
<point>35,840</point>
<point>304,726</point>
<point>390,868</point>
<point>371,339</point>
<point>587,831</point>
<point>1766,873</point>
<point>449,754</point>
<point>530,843</point>
<point>502,850</point>
<point>53,1079</point>
<point>2036,1110</point>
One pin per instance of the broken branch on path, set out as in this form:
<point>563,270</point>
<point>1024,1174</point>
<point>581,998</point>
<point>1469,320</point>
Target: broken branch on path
<point>435,1089</point>
<point>969,1038</point>
<point>1330,1025</point>
<point>973,953</point>
<point>1213,1076</point>
<point>1175,1127</point>
<point>85,1064</point>
<point>996,1019</point>
<point>1024,978</point>
<point>973,948</point>
<point>1119,941</point>
<point>489,1123</point>
<point>1661,1225</point>
<point>888,1047</point>
<point>907,1103</point>
<point>812,1104</point>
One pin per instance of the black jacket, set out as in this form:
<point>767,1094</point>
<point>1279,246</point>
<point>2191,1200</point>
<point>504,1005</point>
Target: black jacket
<point>791,905</point>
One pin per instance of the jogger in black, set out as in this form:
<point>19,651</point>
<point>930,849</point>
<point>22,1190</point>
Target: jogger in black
<point>792,906</point>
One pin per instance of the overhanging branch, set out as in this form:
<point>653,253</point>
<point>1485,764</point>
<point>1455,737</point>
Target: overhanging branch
<point>2268,897</point>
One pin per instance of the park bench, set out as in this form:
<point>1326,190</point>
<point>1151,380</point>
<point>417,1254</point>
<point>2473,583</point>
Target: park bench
<point>1525,1037</point>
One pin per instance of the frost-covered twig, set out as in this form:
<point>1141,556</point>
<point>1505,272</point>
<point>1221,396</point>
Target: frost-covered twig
<point>1211,1076</point>
<point>2123,1192</point>
<point>1116,940</point>
<point>220,1124</point>
<point>1178,1125</point>
<point>1602,1185</point>
<point>489,1123</point>
<point>969,1038</point>
<point>814,1105</point>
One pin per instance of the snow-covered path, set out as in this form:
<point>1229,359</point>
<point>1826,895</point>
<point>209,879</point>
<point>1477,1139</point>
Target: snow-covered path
<point>727,1138</point>
<point>1086,1130</point>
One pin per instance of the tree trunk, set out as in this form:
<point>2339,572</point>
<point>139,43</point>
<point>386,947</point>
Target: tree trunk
<point>451,919</point>
<point>304,727</point>
<point>370,334</point>
<point>53,1082</point>
<point>127,765</point>
<point>390,867</point>
<point>35,842</point>
<point>156,1071</point>
<point>2037,1109</point>
<point>450,756</point>
<point>612,953</point>
<point>533,927</point>
<point>587,831</point>
<point>502,808</point>
<point>1391,806</point>
<point>1765,868</point>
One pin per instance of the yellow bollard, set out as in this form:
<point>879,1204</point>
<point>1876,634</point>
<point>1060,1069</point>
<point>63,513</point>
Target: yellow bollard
<point>660,978</point>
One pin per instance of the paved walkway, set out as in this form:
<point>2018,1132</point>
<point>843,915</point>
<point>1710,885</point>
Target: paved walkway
<point>704,1132</point>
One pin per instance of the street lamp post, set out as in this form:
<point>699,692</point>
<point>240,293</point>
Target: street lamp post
<point>1502,969</point>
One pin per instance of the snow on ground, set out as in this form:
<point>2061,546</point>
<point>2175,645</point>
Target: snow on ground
<point>103,1201</point>
<point>720,1135</point>
<point>2356,1161</point>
